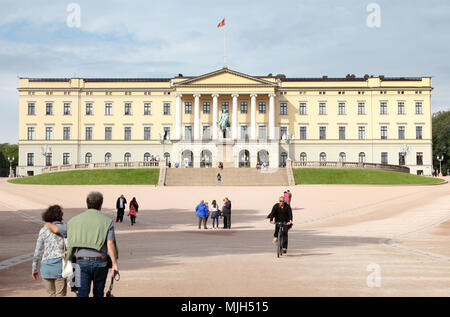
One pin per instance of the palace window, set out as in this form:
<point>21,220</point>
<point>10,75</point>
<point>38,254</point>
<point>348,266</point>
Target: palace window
<point>361,108</point>
<point>127,133</point>
<point>341,133</point>
<point>88,133</point>
<point>146,157</point>
<point>302,133</point>
<point>262,107</point>
<point>384,157</point>
<point>206,107</point>
<point>322,108</point>
<point>419,134</point>
<point>49,108</point>
<point>108,133</point>
<point>244,132</point>
<point>127,157</point>
<point>147,109</point>
<point>401,107</point>
<point>206,132</point>
<point>419,158</point>
<point>226,106</point>
<point>401,158</point>
<point>108,157</point>
<point>401,132</point>
<point>166,133</point>
<point>30,133</point>
<point>147,133</point>
<point>361,133</point>
<point>362,157</point>
<point>323,156</point>
<point>48,159</point>
<point>303,157</point>
<point>188,132</point>
<point>108,109</point>
<point>262,132</point>
<point>31,108</point>
<point>66,133</point>
<point>383,132</point>
<point>127,110</point>
<point>49,133</point>
<point>66,158</point>
<point>88,158</point>
<point>244,107</point>
<point>341,107</point>
<point>419,107</point>
<point>342,157</point>
<point>188,107</point>
<point>383,107</point>
<point>30,159</point>
<point>302,108</point>
<point>283,133</point>
<point>89,109</point>
<point>166,108</point>
<point>283,108</point>
<point>67,110</point>
<point>322,133</point>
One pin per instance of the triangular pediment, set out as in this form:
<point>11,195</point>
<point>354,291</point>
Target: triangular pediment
<point>225,76</point>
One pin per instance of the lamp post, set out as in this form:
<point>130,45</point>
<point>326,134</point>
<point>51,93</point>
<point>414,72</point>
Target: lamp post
<point>288,140</point>
<point>11,172</point>
<point>162,140</point>
<point>440,159</point>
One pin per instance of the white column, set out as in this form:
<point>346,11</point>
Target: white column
<point>271,116</point>
<point>214,116</point>
<point>234,121</point>
<point>253,116</point>
<point>178,115</point>
<point>197,117</point>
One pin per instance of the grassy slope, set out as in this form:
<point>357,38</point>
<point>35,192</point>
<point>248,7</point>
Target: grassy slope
<point>358,176</point>
<point>94,177</point>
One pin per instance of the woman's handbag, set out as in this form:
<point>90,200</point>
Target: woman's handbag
<point>67,267</point>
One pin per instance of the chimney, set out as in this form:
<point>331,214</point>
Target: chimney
<point>381,77</point>
<point>324,77</point>
<point>366,76</point>
<point>180,75</point>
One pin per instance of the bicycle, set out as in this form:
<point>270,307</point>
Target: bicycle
<point>280,238</point>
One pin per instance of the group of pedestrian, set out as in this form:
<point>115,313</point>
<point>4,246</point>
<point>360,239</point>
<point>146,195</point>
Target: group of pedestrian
<point>87,239</point>
<point>133,209</point>
<point>203,212</point>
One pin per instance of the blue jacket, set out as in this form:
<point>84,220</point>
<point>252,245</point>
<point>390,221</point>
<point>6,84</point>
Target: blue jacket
<point>201,210</point>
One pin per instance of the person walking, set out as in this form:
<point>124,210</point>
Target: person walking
<point>290,197</point>
<point>282,213</point>
<point>120,206</point>
<point>207,213</point>
<point>215,214</point>
<point>201,212</point>
<point>219,179</point>
<point>91,238</point>
<point>50,247</point>
<point>286,197</point>
<point>226,213</point>
<point>133,210</point>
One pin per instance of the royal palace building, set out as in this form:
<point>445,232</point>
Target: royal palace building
<point>262,119</point>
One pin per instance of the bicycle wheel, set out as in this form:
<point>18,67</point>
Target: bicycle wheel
<point>280,243</point>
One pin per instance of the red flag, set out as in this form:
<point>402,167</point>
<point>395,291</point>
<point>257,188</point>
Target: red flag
<point>222,23</point>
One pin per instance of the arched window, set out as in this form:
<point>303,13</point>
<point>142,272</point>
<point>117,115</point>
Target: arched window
<point>108,157</point>
<point>342,157</point>
<point>146,157</point>
<point>323,157</point>
<point>88,158</point>
<point>362,157</point>
<point>303,157</point>
<point>127,157</point>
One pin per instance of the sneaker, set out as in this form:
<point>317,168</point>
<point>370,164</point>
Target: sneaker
<point>285,251</point>
<point>275,240</point>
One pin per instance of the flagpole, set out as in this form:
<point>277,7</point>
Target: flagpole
<point>224,47</point>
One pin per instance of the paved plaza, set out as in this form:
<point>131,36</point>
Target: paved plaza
<point>343,236</point>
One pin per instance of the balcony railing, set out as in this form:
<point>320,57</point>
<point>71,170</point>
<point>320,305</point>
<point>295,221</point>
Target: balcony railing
<point>349,165</point>
<point>107,165</point>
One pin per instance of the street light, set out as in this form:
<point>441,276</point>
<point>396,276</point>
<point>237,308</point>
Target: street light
<point>11,172</point>
<point>440,159</point>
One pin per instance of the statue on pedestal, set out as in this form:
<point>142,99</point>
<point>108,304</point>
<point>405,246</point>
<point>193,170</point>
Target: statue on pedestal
<point>224,122</point>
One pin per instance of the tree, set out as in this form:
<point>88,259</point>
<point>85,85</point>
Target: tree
<point>441,139</point>
<point>8,150</point>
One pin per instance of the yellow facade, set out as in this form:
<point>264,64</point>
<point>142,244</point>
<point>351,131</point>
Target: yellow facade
<point>275,91</point>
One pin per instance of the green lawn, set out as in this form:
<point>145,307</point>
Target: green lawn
<point>358,176</point>
<point>144,176</point>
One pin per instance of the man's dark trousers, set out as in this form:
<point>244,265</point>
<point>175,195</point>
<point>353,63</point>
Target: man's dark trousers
<point>120,213</point>
<point>226,221</point>
<point>94,272</point>
<point>285,235</point>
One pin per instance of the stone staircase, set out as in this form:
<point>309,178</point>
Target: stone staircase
<point>230,177</point>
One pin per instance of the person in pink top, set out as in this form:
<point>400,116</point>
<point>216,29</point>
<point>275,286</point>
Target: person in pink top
<point>287,198</point>
<point>133,210</point>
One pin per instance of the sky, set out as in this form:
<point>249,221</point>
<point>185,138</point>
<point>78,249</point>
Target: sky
<point>298,38</point>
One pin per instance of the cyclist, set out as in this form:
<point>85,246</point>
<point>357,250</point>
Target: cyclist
<point>282,213</point>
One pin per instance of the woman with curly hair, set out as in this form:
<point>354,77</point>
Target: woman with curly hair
<point>50,247</point>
